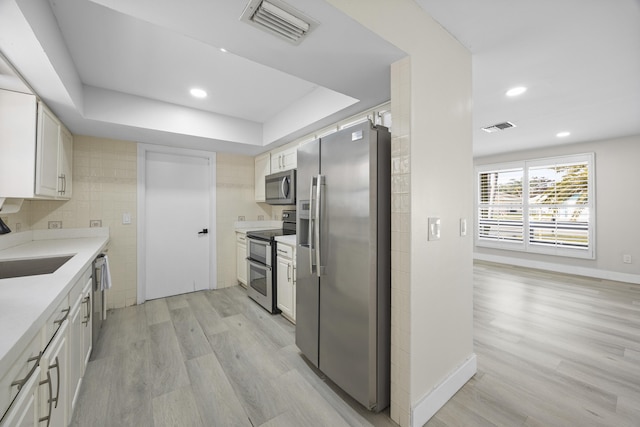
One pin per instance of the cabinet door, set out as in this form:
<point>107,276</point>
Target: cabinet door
<point>65,164</point>
<point>241,262</point>
<point>284,272</point>
<point>24,412</point>
<point>263,168</point>
<point>18,112</point>
<point>53,379</point>
<point>47,153</point>
<point>276,162</point>
<point>290,158</point>
<point>87,324</point>
<point>75,352</point>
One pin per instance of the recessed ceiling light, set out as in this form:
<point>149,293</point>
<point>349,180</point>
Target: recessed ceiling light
<point>516,91</point>
<point>223,50</point>
<point>198,93</point>
<point>563,134</point>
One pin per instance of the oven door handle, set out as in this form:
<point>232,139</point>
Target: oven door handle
<point>258,264</point>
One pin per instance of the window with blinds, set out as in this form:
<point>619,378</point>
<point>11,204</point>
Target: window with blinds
<point>544,206</point>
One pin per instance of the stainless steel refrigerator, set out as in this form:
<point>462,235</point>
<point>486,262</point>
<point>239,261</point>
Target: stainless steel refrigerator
<point>343,270</point>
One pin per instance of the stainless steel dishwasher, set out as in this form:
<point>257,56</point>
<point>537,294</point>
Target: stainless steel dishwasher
<point>98,310</point>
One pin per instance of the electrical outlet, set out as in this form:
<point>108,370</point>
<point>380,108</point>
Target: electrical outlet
<point>55,225</point>
<point>260,217</point>
<point>18,226</point>
<point>626,258</point>
<point>241,218</point>
<point>95,223</point>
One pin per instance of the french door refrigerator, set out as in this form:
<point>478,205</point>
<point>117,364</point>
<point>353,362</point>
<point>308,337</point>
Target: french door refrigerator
<point>343,258</point>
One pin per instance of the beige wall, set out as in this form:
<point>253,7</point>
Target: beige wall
<point>440,289</point>
<point>234,198</point>
<point>400,241</point>
<point>617,179</point>
<point>104,187</point>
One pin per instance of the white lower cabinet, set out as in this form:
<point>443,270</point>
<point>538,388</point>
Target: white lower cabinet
<point>53,394</point>
<point>286,280</point>
<point>241,255</point>
<point>40,388</point>
<point>24,411</point>
<point>79,342</point>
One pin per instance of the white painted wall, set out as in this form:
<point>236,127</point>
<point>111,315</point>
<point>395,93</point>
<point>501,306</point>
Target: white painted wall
<point>441,170</point>
<point>617,178</point>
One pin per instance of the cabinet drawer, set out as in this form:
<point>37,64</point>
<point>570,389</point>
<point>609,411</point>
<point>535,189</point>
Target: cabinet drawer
<point>78,287</point>
<point>18,374</point>
<point>241,238</point>
<point>284,250</point>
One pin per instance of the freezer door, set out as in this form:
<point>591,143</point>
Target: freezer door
<point>348,285</point>
<point>307,290</point>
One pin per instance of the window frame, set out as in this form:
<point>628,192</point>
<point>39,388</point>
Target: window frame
<point>526,246</point>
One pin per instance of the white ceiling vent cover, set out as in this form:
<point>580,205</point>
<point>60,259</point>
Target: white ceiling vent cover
<point>278,18</point>
<point>499,126</point>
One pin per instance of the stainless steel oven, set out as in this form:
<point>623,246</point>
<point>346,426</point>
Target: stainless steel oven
<point>259,272</point>
<point>261,262</point>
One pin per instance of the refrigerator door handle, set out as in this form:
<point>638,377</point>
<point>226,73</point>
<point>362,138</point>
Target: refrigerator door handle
<point>312,224</point>
<point>320,183</point>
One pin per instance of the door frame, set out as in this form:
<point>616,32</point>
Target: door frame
<point>143,149</point>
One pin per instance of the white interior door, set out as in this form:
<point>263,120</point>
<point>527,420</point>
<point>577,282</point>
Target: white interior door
<point>177,210</point>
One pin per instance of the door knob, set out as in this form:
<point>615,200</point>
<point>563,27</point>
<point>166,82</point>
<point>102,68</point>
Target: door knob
<point>204,231</point>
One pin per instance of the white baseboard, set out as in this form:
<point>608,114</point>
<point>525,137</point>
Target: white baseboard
<point>560,268</point>
<point>433,401</point>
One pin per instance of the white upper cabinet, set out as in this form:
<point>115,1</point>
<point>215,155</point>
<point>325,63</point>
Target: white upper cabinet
<point>284,160</point>
<point>65,163</point>
<point>37,150</point>
<point>47,152</point>
<point>263,168</point>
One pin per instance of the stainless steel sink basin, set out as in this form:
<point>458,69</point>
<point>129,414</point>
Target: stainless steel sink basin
<point>31,266</point>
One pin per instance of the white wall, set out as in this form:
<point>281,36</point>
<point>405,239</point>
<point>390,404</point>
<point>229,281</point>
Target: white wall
<point>439,310</point>
<point>617,179</point>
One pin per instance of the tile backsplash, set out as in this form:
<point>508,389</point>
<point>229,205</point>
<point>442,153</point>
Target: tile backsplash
<point>104,186</point>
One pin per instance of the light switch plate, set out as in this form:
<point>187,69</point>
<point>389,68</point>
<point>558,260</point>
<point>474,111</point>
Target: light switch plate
<point>126,218</point>
<point>463,227</point>
<point>434,228</point>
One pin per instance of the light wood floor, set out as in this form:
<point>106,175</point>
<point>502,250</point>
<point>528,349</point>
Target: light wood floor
<point>553,350</point>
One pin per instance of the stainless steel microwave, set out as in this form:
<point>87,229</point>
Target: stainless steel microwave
<point>280,188</point>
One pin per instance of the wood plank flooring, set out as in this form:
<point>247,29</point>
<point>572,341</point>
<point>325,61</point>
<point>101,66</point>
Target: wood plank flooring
<point>211,358</point>
<point>553,350</point>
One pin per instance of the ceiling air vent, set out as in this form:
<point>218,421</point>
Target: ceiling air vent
<point>499,126</point>
<point>278,18</point>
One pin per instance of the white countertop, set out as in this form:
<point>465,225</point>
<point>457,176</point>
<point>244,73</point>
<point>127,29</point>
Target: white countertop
<point>245,226</point>
<point>289,240</point>
<point>26,302</point>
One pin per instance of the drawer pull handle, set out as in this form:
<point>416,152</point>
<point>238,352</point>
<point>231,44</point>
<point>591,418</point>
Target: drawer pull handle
<point>57,366</point>
<point>66,314</point>
<point>48,417</point>
<point>87,318</point>
<point>21,383</point>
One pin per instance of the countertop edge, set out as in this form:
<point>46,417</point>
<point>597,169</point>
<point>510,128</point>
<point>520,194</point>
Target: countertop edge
<point>13,346</point>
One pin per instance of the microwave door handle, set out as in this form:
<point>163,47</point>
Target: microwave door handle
<point>284,187</point>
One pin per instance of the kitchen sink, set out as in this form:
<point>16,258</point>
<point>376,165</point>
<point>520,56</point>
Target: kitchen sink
<point>31,266</point>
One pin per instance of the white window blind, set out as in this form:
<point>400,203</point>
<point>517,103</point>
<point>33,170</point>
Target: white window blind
<point>500,210</point>
<point>544,206</point>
